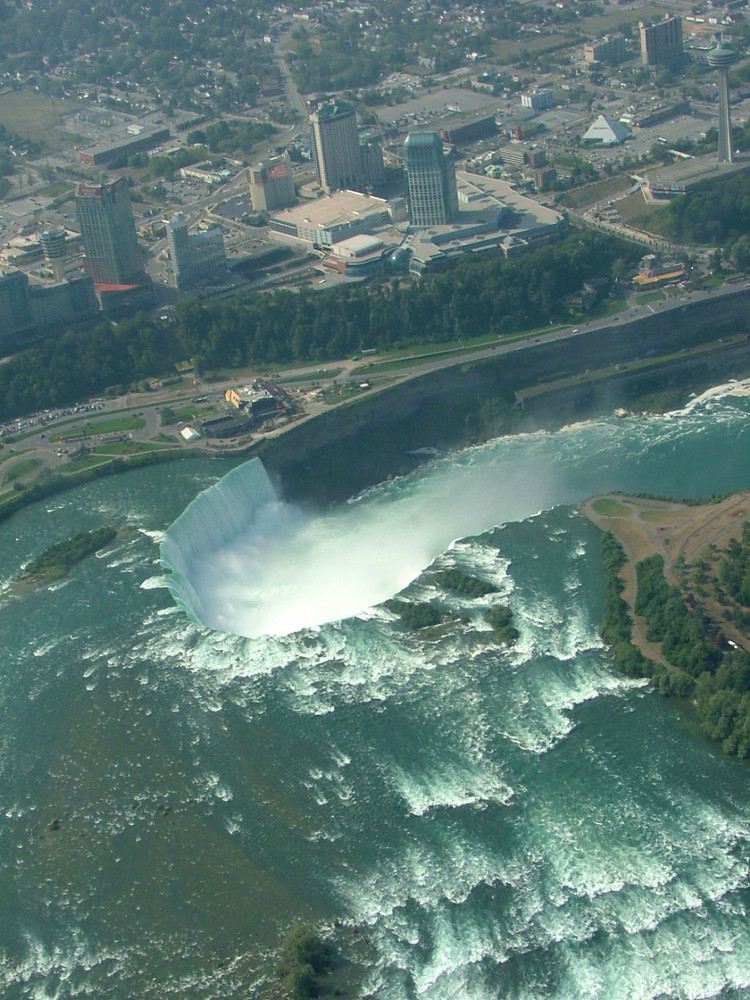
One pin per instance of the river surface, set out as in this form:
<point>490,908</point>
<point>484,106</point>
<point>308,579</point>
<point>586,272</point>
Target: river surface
<point>485,822</point>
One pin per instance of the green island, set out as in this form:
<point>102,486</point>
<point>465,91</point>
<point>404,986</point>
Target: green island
<point>463,583</point>
<point>500,618</point>
<point>677,603</point>
<point>306,962</point>
<point>56,561</point>
<point>416,615</point>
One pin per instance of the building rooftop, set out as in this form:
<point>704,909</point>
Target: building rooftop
<point>607,131</point>
<point>331,209</point>
<point>357,246</point>
<point>684,174</point>
<point>421,140</point>
<point>333,109</point>
<point>491,216</point>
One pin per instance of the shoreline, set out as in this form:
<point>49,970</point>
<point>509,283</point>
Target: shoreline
<point>682,533</point>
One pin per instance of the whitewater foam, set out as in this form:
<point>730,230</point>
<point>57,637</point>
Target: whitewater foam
<point>243,561</point>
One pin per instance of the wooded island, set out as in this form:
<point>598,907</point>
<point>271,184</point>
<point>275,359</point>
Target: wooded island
<point>677,604</point>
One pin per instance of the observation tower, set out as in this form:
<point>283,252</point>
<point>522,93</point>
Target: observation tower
<point>721,57</point>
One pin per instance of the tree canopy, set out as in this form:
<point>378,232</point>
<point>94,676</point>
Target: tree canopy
<point>480,298</point>
<point>714,213</point>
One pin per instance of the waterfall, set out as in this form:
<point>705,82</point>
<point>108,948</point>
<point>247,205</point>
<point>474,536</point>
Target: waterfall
<point>220,514</point>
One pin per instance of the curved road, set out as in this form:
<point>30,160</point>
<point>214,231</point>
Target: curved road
<point>37,443</point>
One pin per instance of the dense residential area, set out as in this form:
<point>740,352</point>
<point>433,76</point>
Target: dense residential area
<point>160,153</point>
<point>213,193</point>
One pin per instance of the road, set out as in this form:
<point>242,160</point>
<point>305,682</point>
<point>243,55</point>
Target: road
<point>296,102</point>
<point>43,440</point>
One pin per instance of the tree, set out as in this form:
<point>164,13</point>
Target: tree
<point>305,957</point>
<point>740,253</point>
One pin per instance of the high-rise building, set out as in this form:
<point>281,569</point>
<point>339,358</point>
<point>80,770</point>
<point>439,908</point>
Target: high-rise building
<point>430,180</point>
<point>272,184</point>
<point>371,155</point>
<point>27,310</point>
<point>609,49</point>
<point>15,312</point>
<point>334,143</point>
<point>195,256</point>
<point>661,43</point>
<point>721,57</point>
<point>53,307</point>
<point>110,245</point>
<point>178,239</point>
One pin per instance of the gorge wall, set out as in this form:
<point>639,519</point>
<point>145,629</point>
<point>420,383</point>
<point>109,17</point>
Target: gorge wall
<point>356,445</point>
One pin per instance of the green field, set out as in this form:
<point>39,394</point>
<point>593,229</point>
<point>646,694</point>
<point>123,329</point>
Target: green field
<point>598,24</point>
<point>610,508</point>
<point>130,447</point>
<point>642,298</point>
<point>35,116</point>
<point>636,211</point>
<point>591,194</point>
<point>507,50</point>
<point>21,469</point>
<point>57,189</point>
<point>76,464</point>
<point>116,425</point>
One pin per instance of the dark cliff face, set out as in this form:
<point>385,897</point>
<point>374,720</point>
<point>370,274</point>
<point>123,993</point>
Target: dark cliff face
<point>352,447</point>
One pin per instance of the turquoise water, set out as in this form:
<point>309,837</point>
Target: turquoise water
<point>493,823</point>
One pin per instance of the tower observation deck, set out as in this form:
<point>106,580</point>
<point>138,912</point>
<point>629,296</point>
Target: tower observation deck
<point>721,57</point>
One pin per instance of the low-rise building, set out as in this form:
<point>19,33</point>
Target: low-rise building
<point>209,172</point>
<point>260,400</point>
<point>654,271</point>
<point>538,100</point>
<point>136,142</point>
<point>606,131</point>
<point>229,425</point>
<point>492,217</point>
<point>468,128</point>
<point>332,218</point>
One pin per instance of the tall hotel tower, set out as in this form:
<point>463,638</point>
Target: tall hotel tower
<point>105,217</point>
<point>430,180</point>
<point>334,142</point>
<point>661,43</point>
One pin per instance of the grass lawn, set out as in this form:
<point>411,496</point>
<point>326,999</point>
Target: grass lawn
<point>339,393</point>
<point>714,281</point>
<point>57,188</point>
<point>507,50</point>
<point>599,24</point>
<point>84,463</point>
<point>8,453</point>
<point>36,116</point>
<point>600,191</point>
<point>129,447</point>
<point>113,426</point>
<point>611,308</point>
<point>636,211</point>
<point>610,508</point>
<point>189,412</point>
<point>21,469</point>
